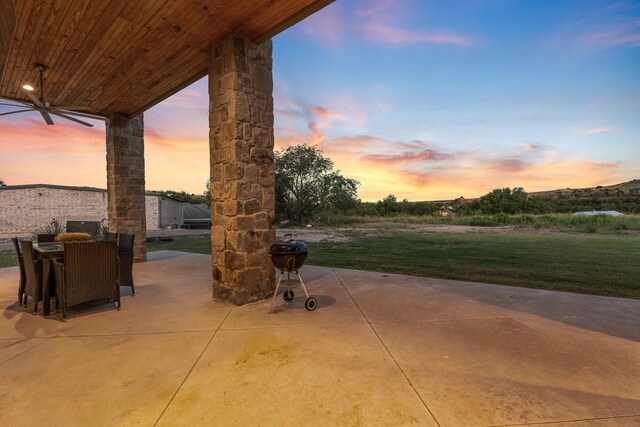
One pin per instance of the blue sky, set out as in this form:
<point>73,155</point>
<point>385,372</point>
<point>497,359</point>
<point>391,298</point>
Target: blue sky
<point>422,99</point>
<point>501,93</point>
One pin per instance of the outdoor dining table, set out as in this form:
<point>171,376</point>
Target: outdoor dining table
<point>47,252</point>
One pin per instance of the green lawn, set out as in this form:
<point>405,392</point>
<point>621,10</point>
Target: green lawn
<point>8,259</point>
<point>200,243</point>
<point>586,263</point>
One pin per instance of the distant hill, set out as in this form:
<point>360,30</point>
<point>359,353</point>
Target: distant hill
<point>623,197</point>
<point>625,189</point>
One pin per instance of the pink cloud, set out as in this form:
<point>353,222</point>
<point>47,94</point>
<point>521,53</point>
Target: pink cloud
<point>626,33</point>
<point>32,134</point>
<point>379,22</point>
<point>292,115</point>
<point>189,98</point>
<point>328,24</point>
<point>596,131</point>
<point>70,154</point>
<point>319,119</point>
<point>508,165</point>
<point>287,137</point>
<point>419,170</point>
<point>325,113</point>
<point>350,143</point>
<point>447,183</point>
<point>383,33</point>
<point>533,148</point>
<point>406,157</point>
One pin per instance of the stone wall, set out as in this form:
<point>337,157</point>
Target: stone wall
<point>23,210</point>
<point>152,212</point>
<point>242,174</point>
<point>125,179</point>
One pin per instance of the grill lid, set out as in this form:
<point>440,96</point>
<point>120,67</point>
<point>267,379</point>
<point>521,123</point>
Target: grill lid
<point>290,248</point>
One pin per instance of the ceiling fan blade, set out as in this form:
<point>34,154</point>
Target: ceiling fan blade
<point>46,117</point>
<point>71,107</point>
<point>28,104</point>
<point>17,111</point>
<point>73,119</point>
<point>21,104</point>
<point>35,99</point>
<point>75,113</point>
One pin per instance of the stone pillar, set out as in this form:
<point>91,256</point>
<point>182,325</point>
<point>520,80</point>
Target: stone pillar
<point>242,174</point>
<point>125,180</point>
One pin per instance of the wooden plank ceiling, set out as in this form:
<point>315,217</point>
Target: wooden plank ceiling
<point>124,56</point>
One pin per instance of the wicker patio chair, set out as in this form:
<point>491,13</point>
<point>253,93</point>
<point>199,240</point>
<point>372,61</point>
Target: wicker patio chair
<point>90,227</point>
<point>32,269</point>
<point>47,238</point>
<point>125,253</point>
<point>110,236</point>
<point>16,244</point>
<point>89,273</point>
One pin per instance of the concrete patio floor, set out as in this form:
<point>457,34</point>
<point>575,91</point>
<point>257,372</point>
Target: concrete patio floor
<point>381,349</point>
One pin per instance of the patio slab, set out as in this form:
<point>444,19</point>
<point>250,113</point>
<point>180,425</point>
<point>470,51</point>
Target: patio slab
<point>395,298</point>
<point>584,311</point>
<point>98,381</point>
<point>619,354</point>
<point>497,371</point>
<point>311,375</point>
<point>381,349</point>
<point>10,348</point>
<point>335,307</point>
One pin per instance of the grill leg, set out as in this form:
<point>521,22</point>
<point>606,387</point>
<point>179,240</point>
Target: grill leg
<point>276,291</point>
<point>302,283</point>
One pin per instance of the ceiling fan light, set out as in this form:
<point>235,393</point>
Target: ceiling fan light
<point>28,87</point>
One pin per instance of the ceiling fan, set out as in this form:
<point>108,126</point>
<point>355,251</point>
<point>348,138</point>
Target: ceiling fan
<point>45,108</point>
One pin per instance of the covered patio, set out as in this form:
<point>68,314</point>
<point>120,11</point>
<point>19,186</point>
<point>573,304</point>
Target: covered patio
<point>381,349</point>
<point>115,60</point>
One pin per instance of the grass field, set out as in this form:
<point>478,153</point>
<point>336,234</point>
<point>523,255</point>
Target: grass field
<point>8,259</point>
<point>561,222</point>
<point>558,222</point>
<point>599,264</point>
<point>583,263</point>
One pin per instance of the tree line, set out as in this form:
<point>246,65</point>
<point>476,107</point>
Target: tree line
<point>308,189</point>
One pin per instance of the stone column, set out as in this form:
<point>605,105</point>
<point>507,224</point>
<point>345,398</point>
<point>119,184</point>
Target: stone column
<point>125,180</point>
<point>242,174</point>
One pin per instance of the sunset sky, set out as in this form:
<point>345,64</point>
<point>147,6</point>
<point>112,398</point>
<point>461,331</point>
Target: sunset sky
<point>423,99</point>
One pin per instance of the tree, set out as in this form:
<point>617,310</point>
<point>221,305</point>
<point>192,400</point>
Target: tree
<point>422,208</point>
<point>502,201</point>
<point>183,196</point>
<point>388,205</point>
<point>207,192</point>
<point>2,184</point>
<point>509,201</point>
<point>307,185</point>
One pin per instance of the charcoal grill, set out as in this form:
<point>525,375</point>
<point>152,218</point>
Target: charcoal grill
<point>288,257</point>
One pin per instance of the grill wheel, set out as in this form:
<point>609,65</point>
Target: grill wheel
<point>288,295</point>
<point>311,304</point>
